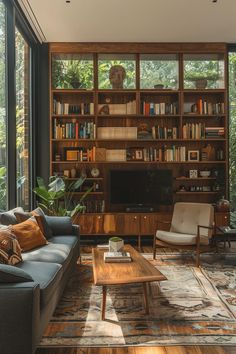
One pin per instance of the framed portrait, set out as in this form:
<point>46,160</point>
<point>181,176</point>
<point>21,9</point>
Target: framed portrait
<point>139,154</point>
<point>193,155</point>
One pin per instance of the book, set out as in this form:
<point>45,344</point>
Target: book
<point>105,246</point>
<point>117,257</point>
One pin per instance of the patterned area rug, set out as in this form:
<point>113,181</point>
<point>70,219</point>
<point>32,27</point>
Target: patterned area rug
<point>194,306</point>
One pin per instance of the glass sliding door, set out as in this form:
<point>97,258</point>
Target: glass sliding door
<point>23,120</point>
<point>3,111</point>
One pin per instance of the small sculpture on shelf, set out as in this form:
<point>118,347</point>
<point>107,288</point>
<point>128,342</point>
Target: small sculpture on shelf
<point>117,74</point>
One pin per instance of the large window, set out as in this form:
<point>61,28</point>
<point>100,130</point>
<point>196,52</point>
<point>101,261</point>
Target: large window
<point>3,118</point>
<point>22,120</point>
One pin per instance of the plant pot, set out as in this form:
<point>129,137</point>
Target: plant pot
<point>75,84</point>
<point>201,83</point>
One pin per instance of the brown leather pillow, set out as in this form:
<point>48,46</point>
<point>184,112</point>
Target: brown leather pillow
<point>22,216</point>
<point>10,251</point>
<point>28,235</point>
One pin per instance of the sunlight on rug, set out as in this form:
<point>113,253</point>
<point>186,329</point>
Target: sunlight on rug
<point>194,306</point>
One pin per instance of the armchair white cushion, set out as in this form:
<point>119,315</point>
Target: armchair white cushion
<point>186,219</point>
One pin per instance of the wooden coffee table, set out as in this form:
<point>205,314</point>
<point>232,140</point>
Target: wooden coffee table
<point>137,271</point>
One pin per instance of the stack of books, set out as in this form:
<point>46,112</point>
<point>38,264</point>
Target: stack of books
<point>117,257</point>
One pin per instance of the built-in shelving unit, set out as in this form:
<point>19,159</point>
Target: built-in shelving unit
<point>180,125</point>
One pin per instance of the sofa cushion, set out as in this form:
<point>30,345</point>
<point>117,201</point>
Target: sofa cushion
<point>11,274</point>
<point>10,251</point>
<point>8,217</point>
<point>47,275</point>
<point>175,238</point>
<point>69,240</point>
<point>53,253</point>
<point>60,225</point>
<point>29,235</point>
<point>39,215</point>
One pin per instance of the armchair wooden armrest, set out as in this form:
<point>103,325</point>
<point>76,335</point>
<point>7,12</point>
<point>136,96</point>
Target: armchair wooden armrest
<point>203,227</point>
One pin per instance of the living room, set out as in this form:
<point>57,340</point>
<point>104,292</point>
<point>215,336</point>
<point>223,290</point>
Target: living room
<point>118,177</point>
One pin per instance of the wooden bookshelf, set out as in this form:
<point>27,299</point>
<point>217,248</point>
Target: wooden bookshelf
<point>172,109</point>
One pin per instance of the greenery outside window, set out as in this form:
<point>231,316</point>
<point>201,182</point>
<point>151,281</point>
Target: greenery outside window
<point>23,121</point>
<point>159,71</point>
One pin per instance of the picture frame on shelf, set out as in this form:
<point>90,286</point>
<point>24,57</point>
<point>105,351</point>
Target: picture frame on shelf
<point>71,154</point>
<point>139,154</point>
<point>193,173</point>
<point>193,155</point>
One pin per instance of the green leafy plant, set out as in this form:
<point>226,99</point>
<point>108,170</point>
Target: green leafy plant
<point>56,198</point>
<point>193,76</point>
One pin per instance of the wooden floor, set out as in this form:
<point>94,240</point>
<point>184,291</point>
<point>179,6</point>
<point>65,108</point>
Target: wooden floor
<point>146,350</point>
<point>143,350</point>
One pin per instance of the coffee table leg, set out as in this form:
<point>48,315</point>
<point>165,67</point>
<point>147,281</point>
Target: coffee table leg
<point>145,292</point>
<point>104,297</point>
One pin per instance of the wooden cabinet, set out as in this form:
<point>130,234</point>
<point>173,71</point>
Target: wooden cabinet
<point>222,219</point>
<point>90,224</point>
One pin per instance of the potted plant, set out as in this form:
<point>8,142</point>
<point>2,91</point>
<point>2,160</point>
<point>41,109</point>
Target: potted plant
<point>73,74</point>
<point>201,79</point>
<point>56,198</point>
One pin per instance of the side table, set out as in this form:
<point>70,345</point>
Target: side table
<point>225,234</point>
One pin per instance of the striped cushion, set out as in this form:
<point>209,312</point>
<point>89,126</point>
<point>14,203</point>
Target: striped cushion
<point>10,251</point>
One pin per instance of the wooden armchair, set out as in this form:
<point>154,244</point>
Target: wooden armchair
<point>191,228</point>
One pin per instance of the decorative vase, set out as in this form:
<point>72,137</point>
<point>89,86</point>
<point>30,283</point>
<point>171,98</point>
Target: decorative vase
<point>223,205</point>
<point>116,244</point>
<point>73,172</point>
<point>201,83</point>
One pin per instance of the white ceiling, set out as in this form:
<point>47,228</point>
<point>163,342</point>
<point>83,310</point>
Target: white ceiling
<point>134,20</point>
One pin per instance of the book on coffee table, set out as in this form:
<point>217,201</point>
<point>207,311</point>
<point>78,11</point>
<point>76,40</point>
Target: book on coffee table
<point>117,257</point>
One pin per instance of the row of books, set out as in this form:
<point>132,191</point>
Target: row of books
<point>202,106</point>
<point>159,132</point>
<point>68,108</point>
<point>194,131</point>
<point>214,132</point>
<point>94,206</point>
<point>165,154</point>
<point>152,108</point>
<point>74,130</point>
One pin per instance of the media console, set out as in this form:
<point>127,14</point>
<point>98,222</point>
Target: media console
<point>129,224</point>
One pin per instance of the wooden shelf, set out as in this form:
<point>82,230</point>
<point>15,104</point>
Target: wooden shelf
<point>73,116</point>
<point>196,192</point>
<point>73,91</point>
<point>138,140</point>
<point>87,179</point>
<point>139,162</point>
<point>204,91</point>
<point>195,115</point>
<point>195,179</point>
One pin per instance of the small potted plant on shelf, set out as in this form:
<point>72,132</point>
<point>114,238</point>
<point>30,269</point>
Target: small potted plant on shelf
<point>73,74</point>
<point>201,79</point>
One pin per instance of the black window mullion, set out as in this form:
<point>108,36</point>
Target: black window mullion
<point>11,108</point>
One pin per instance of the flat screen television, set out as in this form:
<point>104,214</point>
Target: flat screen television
<point>148,188</point>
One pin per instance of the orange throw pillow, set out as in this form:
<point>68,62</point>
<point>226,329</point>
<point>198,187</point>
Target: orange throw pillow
<point>28,235</point>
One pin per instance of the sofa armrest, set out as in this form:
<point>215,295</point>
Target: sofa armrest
<point>76,230</point>
<point>19,317</point>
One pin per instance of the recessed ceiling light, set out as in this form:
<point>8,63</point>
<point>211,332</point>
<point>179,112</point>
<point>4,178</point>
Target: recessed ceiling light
<point>68,1</point>
<point>214,1</point>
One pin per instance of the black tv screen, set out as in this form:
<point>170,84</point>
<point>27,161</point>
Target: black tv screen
<point>141,187</point>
